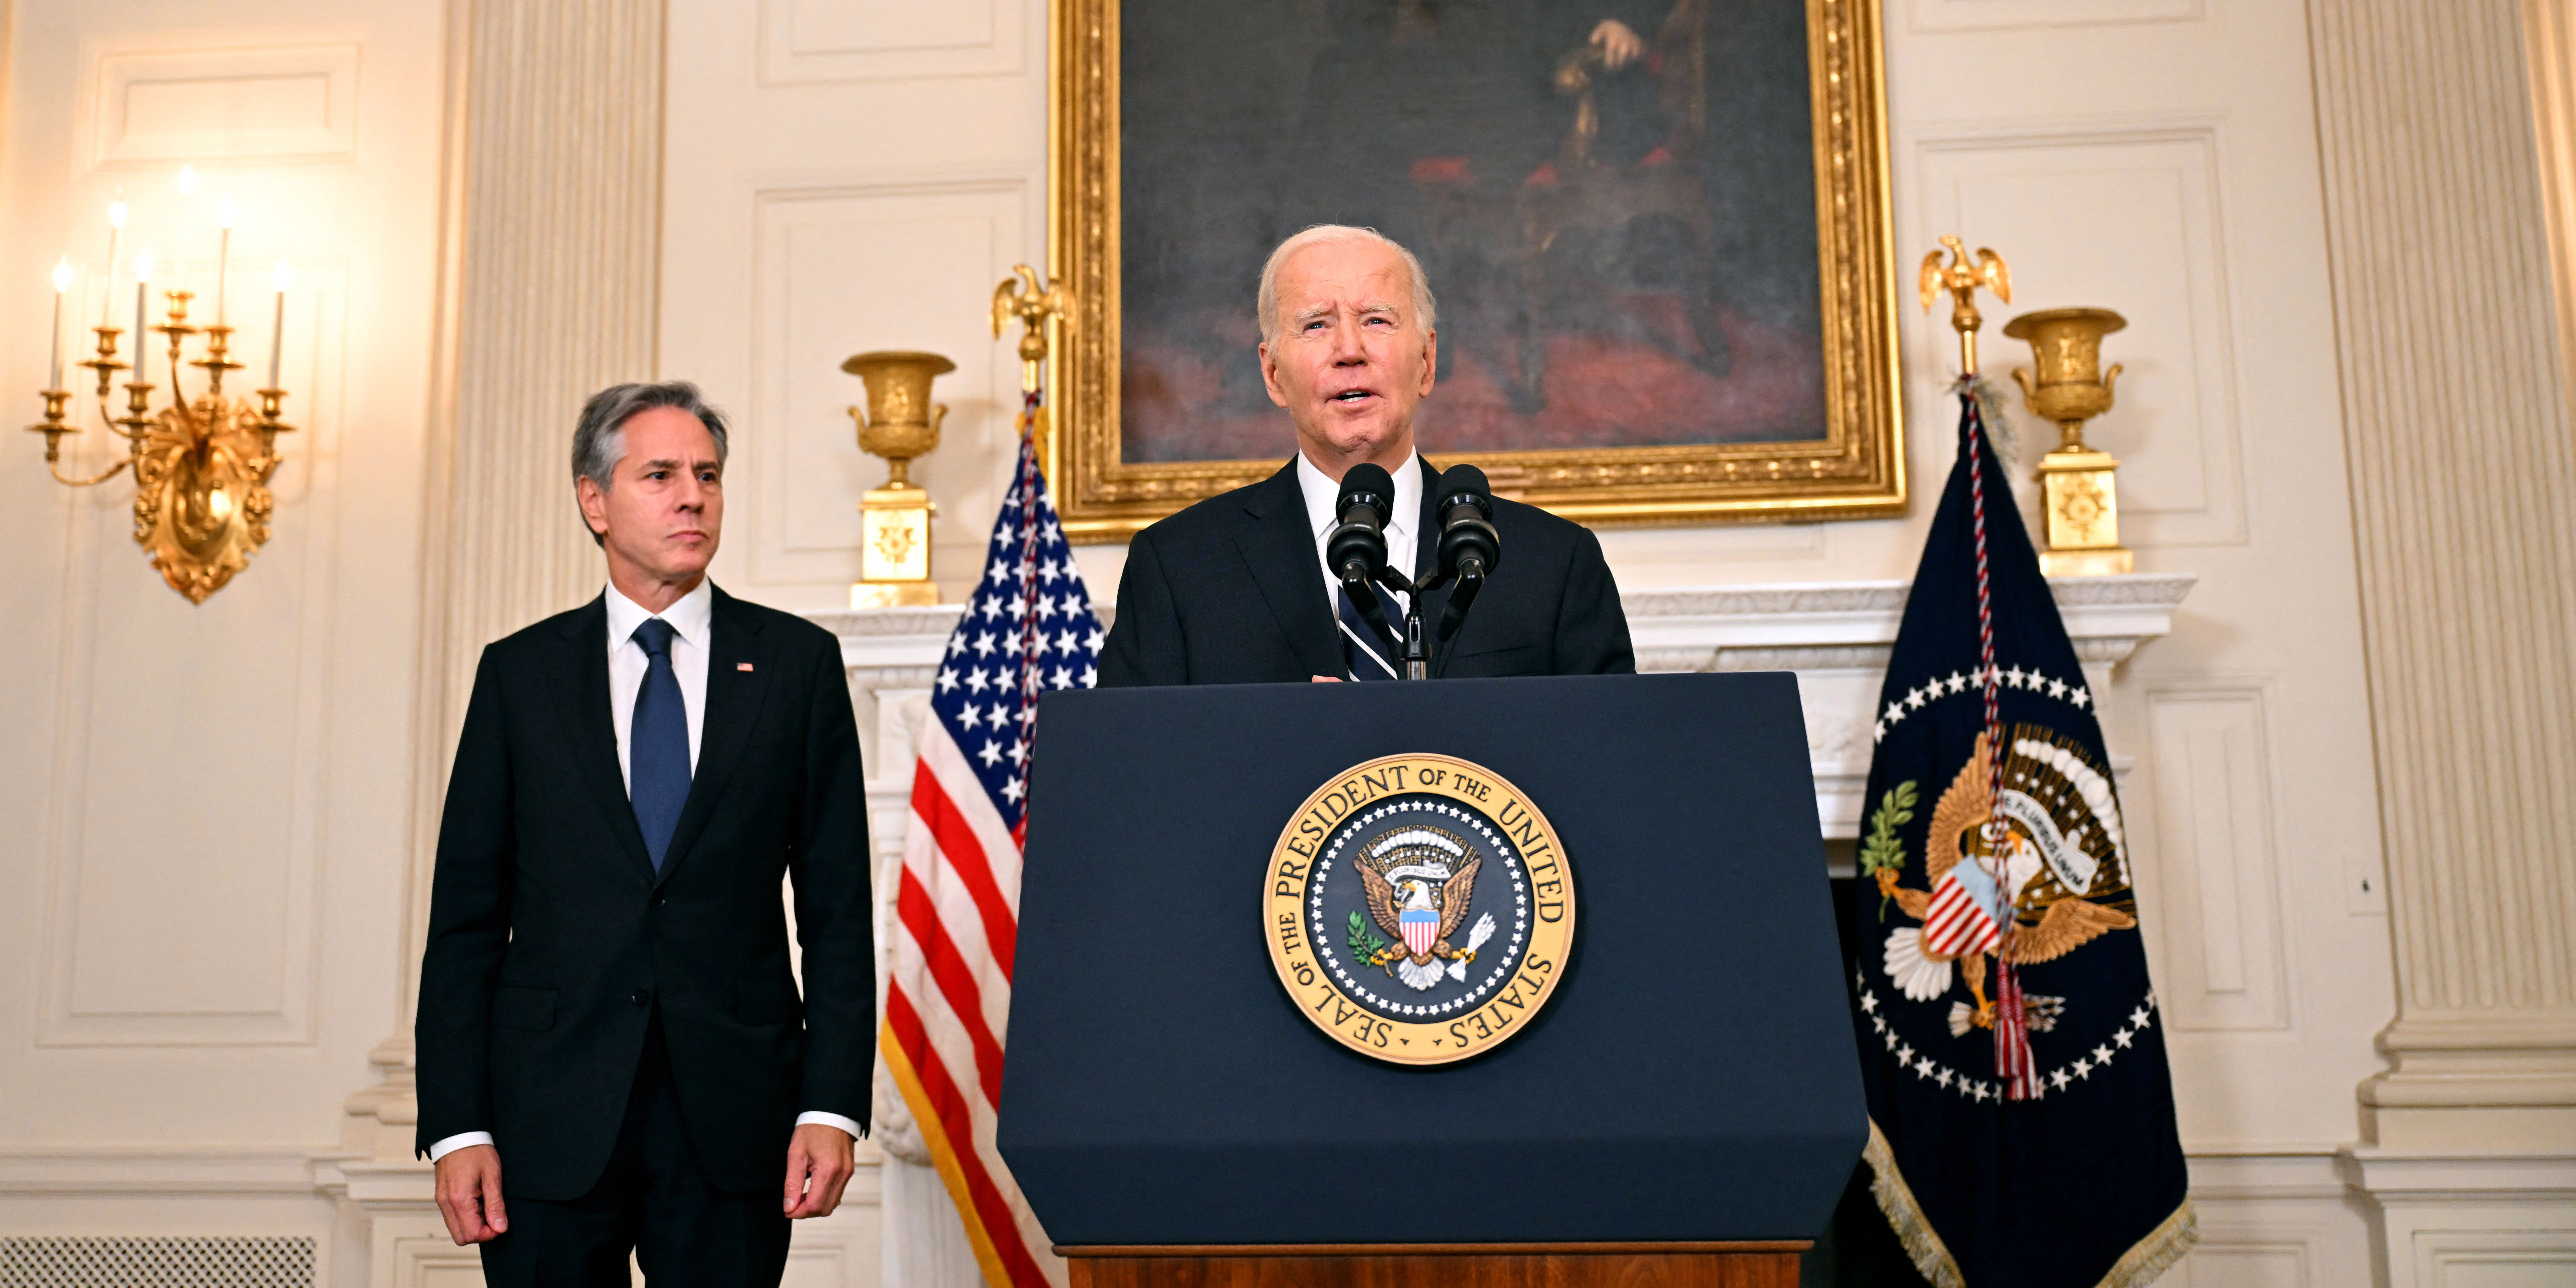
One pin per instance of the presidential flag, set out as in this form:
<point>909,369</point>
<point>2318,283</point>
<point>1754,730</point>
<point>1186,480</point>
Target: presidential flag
<point>1028,629</point>
<point>2021,1113</point>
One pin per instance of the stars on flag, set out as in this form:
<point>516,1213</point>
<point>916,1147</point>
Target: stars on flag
<point>1973,682</point>
<point>1923,1067</point>
<point>1028,629</point>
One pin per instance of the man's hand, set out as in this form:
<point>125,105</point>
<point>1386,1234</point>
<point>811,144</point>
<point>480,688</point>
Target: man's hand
<point>1618,42</point>
<point>469,1194</point>
<point>818,1165</point>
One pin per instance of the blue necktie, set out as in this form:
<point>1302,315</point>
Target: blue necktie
<point>1363,652</point>
<point>658,743</point>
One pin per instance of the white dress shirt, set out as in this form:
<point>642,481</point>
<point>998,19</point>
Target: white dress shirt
<point>1320,493</point>
<point>692,617</point>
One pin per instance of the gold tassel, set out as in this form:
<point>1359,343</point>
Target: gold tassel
<point>2147,1259</point>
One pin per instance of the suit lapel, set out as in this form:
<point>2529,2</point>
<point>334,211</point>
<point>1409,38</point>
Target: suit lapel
<point>1426,556</point>
<point>594,730</point>
<point>738,672</point>
<point>1280,550</point>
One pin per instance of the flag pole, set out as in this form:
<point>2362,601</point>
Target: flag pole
<point>1960,279</point>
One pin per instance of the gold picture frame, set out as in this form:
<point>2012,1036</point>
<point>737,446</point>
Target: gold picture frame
<point>1856,469</point>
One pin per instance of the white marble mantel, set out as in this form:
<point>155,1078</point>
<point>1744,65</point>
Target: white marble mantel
<point>1835,635</point>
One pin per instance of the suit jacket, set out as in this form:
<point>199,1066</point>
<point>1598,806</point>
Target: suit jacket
<point>552,941</point>
<point>1231,591</point>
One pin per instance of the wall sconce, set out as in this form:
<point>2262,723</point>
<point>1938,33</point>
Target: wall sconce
<point>201,467</point>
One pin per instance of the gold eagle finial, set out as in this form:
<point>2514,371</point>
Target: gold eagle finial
<point>1023,297</point>
<point>1961,278</point>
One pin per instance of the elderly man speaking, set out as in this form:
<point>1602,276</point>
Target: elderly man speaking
<point>1234,590</point>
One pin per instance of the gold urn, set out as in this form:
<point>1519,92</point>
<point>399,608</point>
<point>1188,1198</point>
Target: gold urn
<point>899,423</point>
<point>2078,490</point>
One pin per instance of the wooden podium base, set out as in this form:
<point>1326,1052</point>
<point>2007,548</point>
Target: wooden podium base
<point>1440,1265</point>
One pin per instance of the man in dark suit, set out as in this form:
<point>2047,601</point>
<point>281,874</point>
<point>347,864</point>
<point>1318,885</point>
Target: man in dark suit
<point>613,1055</point>
<point>1234,590</point>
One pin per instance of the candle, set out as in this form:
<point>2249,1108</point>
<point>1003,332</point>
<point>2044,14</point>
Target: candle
<point>187,181</point>
<point>284,277</point>
<point>107,289</point>
<point>142,286</point>
<point>225,213</point>
<point>62,286</point>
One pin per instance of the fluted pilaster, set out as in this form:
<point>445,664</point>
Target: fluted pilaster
<point>554,244</point>
<point>2463,481</point>
<point>561,241</point>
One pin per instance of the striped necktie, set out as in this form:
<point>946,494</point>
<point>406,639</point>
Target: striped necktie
<point>1364,654</point>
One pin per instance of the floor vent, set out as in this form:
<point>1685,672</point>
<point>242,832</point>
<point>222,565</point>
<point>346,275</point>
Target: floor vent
<point>274,1262</point>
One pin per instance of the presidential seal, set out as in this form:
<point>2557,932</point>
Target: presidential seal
<point>1419,909</point>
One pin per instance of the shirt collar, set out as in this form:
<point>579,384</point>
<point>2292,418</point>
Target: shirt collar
<point>1320,493</point>
<point>689,616</point>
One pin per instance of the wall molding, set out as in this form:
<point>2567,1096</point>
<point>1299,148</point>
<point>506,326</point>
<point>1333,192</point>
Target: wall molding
<point>171,1171</point>
<point>279,103</point>
<point>800,329</point>
<point>2227,950</point>
<point>789,56</point>
<point>2190,146</point>
<point>1935,16</point>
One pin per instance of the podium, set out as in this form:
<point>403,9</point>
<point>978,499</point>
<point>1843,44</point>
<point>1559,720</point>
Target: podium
<point>1222,1065</point>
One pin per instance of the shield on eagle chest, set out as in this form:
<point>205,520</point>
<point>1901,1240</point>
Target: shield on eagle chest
<point>1421,930</point>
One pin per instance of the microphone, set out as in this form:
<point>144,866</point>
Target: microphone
<point>1356,550</point>
<point>1357,547</point>
<point>1470,548</point>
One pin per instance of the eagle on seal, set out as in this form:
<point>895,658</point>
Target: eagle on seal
<point>1419,882</point>
<point>2068,923</point>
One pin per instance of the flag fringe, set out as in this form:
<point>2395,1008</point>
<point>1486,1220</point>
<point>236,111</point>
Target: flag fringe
<point>1905,1216</point>
<point>934,1133</point>
<point>2143,1264</point>
<point>2155,1254</point>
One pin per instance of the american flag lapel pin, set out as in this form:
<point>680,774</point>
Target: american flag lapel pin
<point>742,666</point>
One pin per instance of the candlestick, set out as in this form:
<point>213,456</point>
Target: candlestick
<point>284,277</point>
<point>225,213</point>
<point>142,288</point>
<point>107,289</point>
<point>62,285</point>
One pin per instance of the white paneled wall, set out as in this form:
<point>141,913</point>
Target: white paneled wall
<point>841,176</point>
<point>206,806</point>
<point>210,811</point>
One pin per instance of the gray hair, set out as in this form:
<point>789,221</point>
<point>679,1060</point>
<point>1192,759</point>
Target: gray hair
<point>599,440</point>
<point>1426,309</point>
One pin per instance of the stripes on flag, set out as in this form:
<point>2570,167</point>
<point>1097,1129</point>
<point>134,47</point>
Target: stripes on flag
<point>1027,629</point>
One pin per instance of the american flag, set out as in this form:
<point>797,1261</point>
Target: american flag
<point>1028,628</point>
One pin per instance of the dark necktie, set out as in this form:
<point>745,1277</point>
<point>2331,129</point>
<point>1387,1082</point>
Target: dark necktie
<point>657,754</point>
<point>1364,654</point>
